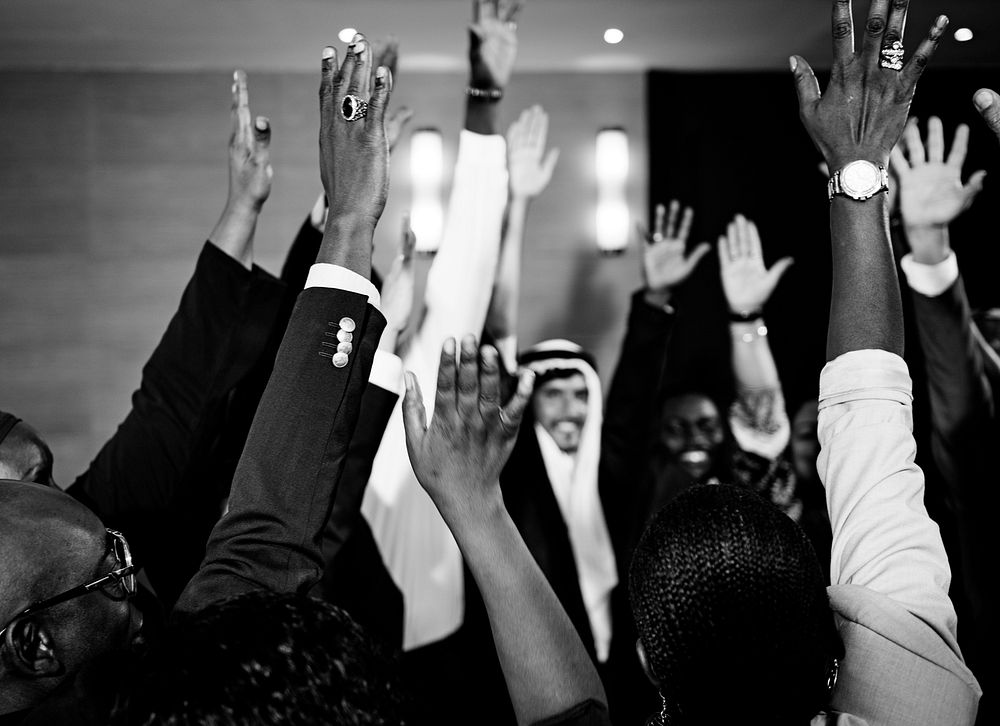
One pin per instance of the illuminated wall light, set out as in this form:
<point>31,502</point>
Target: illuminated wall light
<point>611,162</point>
<point>347,35</point>
<point>963,35</point>
<point>613,36</point>
<point>426,174</point>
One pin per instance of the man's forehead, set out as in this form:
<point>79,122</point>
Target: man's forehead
<point>690,406</point>
<point>572,382</point>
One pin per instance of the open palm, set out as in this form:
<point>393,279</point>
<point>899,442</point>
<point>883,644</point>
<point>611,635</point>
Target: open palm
<point>746,282</point>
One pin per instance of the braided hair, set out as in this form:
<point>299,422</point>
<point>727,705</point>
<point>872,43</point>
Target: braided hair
<point>731,608</point>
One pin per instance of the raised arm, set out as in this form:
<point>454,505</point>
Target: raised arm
<point>530,170</point>
<point>457,459</point>
<point>211,344</point>
<point>882,537</point>
<point>286,480</point>
<point>757,417</point>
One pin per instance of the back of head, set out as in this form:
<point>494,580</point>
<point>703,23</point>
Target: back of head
<point>263,658</point>
<point>731,608</point>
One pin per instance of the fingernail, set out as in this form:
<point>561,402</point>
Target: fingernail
<point>408,380</point>
<point>358,37</point>
<point>469,344</point>
<point>984,99</point>
<point>793,63</point>
<point>261,123</point>
<point>236,75</point>
<point>327,53</point>
<point>380,75</point>
<point>449,346</point>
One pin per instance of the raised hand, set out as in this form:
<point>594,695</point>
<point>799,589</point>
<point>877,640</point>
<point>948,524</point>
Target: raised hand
<point>930,187</point>
<point>665,264</point>
<point>861,114</point>
<point>530,168</point>
<point>747,284</point>
<point>459,456</point>
<point>354,154</point>
<point>492,43</point>
<point>386,54</point>
<point>988,104</point>
<point>250,171</point>
<point>398,288</point>
<point>250,175</point>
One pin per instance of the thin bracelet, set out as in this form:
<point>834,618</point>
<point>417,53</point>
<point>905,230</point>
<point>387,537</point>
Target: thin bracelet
<point>494,94</point>
<point>745,316</point>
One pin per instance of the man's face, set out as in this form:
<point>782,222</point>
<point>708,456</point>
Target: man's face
<point>560,406</point>
<point>805,441</point>
<point>691,433</point>
<point>24,456</point>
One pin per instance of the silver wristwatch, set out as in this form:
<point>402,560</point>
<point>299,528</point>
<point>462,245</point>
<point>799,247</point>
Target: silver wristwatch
<point>859,180</point>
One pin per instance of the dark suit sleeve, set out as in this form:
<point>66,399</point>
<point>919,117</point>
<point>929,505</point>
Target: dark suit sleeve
<point>286,480</point>
<point>631,411</point>
<point>221,326</point>
<point>963,433</point>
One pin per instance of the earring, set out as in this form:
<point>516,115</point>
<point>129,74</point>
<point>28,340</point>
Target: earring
<point>663,717</point>
<point>831,676</point>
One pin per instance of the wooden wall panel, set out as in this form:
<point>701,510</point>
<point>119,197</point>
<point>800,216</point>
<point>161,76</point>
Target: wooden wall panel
<point>110,182</point>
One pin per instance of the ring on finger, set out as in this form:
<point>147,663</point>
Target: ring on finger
<point>658,237</point>
<point>353,108</point>
<point>891,56</point>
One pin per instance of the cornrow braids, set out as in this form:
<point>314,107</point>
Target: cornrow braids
<point>731,608</point>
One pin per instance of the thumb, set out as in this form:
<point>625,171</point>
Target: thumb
<point>973,186</point>
<point>806,86</point>
<point>513,412</point>
<point>778,269</point>
<point>988,104</point>
<point>262,131</point>
<point>696,254</point>
<point>549,165</point>
<point>414,414</point>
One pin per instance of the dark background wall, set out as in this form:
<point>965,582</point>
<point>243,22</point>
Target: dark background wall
<point>727,143</point>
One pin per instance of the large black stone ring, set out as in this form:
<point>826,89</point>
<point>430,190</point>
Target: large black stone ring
<point>353,108</point>
<point>892,56</point>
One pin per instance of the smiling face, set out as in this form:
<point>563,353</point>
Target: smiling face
<point>692,432</point>
<point>560,407</point>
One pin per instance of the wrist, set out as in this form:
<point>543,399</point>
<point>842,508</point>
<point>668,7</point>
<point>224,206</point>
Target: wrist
<point>657,298</point>
<point>244,205</point>
<point>929,243</point>
<point>745,314</point>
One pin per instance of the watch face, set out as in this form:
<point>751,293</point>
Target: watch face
<point>861,179</point>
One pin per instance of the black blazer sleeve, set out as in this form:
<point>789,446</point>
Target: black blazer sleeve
<point>630,413</point>
<point>222,324</point>
<point>287,477</point>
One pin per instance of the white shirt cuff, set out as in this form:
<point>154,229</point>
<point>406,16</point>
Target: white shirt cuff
<point>482,149</point>
<point>930,280</point>
<point>387,372</point>
<point>323,274</point>
<point>865,375</point>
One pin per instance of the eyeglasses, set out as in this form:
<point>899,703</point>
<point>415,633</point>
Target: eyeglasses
<point>119,584</point>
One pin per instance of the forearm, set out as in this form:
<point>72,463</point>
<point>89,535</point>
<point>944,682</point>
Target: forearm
<point>545,664</point>
<point>482,115</point>
<point>233,233</point>
<point>502,317</point>
<point>930,245</point>
<point>866,312</point>
<point>753,363</point>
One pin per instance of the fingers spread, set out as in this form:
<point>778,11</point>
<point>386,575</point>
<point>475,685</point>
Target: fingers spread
<point>919,60</point>
<point>513,412</point>
<point>658,217</point>
<point>685,228</point>
<point>380,98</point>
<point>843,31</point>
<point>914,144</point>
<point>878,18</point>
<point>445,403</point>
<point>959,147</point>
<point>489,384</point>
<point>973,186</point>
<point>896,23</point>
<point>897,162</point>
<point>988,104</point>
<point>935,140</point>
<point>468,381</point>
<point>696,254</point>
<point>671,230</point>
<point>358,67</point>
<point>328,73</point>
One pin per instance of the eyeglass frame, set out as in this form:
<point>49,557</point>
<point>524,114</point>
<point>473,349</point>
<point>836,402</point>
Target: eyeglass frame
<point>120,575</point>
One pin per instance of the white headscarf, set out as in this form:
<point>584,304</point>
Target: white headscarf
<point>574,483</point>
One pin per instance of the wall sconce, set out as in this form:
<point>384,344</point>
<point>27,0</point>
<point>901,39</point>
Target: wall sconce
<point>611,162</point>
<point>426,173</point>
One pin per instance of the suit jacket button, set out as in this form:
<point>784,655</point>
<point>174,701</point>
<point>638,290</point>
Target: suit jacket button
<point>340,360</point>
<point>343,336</point>
<point>347,325</point>
<point>345,348</point>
